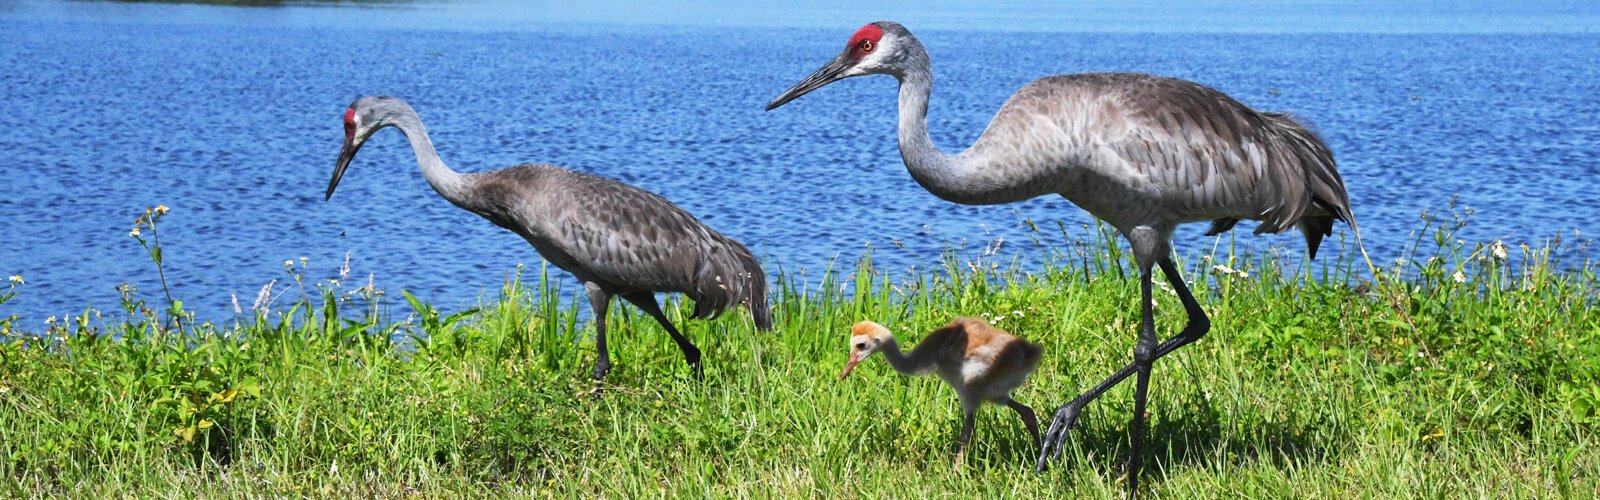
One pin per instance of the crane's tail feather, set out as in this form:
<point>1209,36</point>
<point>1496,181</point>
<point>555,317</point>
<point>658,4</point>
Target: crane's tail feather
<point>731,276</point>
<point>756,297</point>
<point>1301,145</point>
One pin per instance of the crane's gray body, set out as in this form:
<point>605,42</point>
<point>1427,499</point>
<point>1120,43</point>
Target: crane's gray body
<point>618,236</point>
<point>617,239</point>
<point>1142,149</point>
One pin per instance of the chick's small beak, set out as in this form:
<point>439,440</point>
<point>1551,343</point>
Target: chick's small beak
<point>849,366</point>
<point>827,74</point>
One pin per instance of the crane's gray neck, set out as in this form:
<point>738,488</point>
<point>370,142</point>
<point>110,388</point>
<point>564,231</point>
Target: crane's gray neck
<point>447,182</point>
<point>908,365</point>
<point>916,146</point>
<point>942,174</point>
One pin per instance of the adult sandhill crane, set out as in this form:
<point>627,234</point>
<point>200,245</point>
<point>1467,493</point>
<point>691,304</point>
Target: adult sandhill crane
<point>617,239</point>
<point>1143,153</point>
<point>981,362</point>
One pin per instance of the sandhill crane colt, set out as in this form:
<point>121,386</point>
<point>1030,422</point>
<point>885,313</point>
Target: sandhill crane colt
<point>981,362</point>
<point>617,239</point>
<point>1144,153</point>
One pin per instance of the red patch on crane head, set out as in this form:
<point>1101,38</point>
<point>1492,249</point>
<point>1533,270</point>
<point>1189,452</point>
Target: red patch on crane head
<point>864,41</point>
<point>349,123</point>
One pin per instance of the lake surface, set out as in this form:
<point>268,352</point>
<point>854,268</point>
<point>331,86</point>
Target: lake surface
<point>231,117</point>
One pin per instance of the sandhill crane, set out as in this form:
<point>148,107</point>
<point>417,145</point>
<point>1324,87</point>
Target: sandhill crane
<point>981,362</point>
<point>617,239</point>
<point>1143,153</point>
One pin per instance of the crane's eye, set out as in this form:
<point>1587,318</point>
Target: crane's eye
<point>861,346</point>
<point>866,45</point>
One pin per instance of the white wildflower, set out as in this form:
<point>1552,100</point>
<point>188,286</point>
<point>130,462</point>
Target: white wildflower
<point>236,309</point>
<point>1243,274</point>
<point>288,263</point>
<point>344,269</point>
<point>1459,276</point>
<point>134,232</point>
<point>16,279</point>
<point>161,209</point>
<point>1223,269</point>
<point>1499,250</point>
<point>262,297</point>
<point>1017,313</point>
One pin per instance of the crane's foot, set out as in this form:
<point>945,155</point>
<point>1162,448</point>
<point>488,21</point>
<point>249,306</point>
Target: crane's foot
<point>601,368</point>
<point>1065,418</point>
<point>699,371</point>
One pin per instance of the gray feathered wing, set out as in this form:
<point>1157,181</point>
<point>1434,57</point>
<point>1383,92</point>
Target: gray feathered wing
<point>634,239</point>
<point>1215,155</point>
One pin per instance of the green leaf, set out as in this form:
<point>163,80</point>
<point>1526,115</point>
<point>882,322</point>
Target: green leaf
<point>185,433</point>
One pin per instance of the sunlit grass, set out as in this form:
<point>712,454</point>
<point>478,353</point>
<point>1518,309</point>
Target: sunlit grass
<point>1470,370</point>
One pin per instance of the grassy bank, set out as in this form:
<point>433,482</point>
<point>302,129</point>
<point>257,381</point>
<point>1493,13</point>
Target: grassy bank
<point>1471,370</point>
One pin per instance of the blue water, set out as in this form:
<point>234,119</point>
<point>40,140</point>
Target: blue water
<point>231,117</point>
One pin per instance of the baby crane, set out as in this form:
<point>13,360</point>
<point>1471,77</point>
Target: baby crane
<point>617,239</point>
<point>981,362</point>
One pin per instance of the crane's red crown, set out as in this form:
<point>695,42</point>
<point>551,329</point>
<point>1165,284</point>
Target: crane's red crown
<point>349,122</point>
<point>864,41</point>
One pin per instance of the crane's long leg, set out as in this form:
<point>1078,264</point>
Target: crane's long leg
<point>1029,418</point>
<point>646,301</point>
<point>599,300</point>
<point>1067,415</point>
<point>1144,353</point>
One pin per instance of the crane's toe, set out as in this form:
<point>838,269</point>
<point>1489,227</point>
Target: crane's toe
<point>1066,416</point>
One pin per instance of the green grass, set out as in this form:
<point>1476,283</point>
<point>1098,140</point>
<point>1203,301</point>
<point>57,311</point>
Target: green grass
<point>1313,383</point>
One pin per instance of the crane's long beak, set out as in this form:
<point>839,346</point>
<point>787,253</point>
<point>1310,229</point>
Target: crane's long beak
<point>849,366</point>
<point>346,153</point>
<point>827,74</point>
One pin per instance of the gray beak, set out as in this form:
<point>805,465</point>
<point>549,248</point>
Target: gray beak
<point>347,153</point>
<point>827,74</point>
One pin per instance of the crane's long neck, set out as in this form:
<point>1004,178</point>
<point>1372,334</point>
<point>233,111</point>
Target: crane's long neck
<point>448,183</point>
<point>923,158</point>
<point>951,177</point>
<point>909,365</point>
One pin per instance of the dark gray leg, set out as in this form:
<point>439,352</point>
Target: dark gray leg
<point>966,435</point>
<point>1067,415</point>
<point>1028,418</point>
<point>1144,353</point>
<point>599,300</point>
<point>646,302</point>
